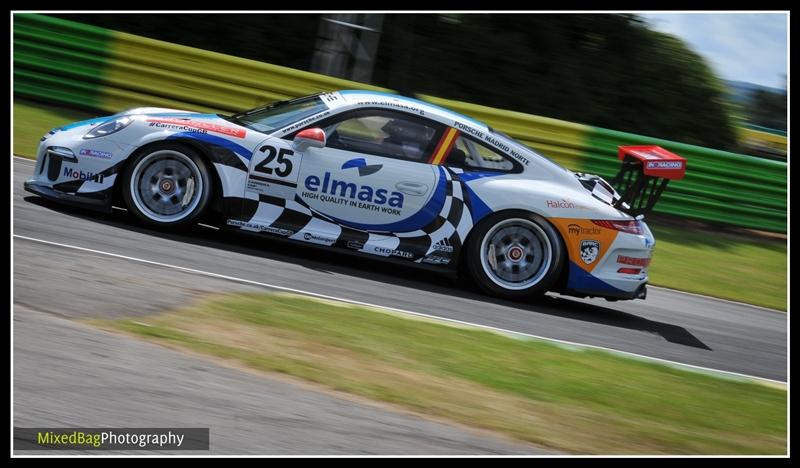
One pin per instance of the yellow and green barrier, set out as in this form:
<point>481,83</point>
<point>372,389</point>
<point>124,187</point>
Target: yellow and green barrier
<point>764,140</point>
<point>76,64</point>
<point>719,186</point>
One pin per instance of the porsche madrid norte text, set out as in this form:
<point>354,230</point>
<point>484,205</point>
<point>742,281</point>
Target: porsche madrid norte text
<point>374,173</point>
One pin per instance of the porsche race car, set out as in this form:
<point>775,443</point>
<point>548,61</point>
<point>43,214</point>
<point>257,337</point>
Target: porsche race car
<point>375,174</point>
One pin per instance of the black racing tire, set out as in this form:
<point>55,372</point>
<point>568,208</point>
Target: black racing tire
<point>528,252</point>
<point>167,186</point>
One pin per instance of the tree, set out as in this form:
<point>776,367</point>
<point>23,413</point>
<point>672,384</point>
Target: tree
<point>767,109</point>
<point>605,70</point>
<point>599,69</point>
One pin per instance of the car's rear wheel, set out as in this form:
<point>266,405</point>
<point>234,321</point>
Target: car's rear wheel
<point>515,254</point>
<point>167,185</point>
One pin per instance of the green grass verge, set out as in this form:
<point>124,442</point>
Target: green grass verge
<point>730,266</point>
<point>575,400</point>
<point>739,268</point>
<point>32,120</point>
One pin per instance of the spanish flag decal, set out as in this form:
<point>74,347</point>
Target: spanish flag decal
<point>443,148</point>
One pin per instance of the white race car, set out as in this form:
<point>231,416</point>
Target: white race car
<point>376,174</point>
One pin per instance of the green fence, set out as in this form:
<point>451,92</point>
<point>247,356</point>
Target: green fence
<point>77,64</point>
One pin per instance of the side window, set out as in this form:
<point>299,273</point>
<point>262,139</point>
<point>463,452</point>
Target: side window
<point>383,134</point>
<point>469,154</point>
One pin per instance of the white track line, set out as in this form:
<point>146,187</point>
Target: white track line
<point>401,311</point>
<point>712,298</point>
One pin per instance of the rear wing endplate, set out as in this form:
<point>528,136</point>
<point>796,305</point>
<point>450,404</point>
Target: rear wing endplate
<point>645,173</point>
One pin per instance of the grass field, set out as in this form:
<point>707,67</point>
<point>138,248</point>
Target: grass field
<point>32,120</point>
<point>730,266</point>
<point>736,267</point>
<point>580,401</point>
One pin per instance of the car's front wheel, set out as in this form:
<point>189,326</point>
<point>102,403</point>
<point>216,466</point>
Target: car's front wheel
<point>167,186</point>
<point>515,255</point>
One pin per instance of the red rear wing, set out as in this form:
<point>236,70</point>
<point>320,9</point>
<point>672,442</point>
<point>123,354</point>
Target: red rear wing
<point>656,161</point>
<point>645,173</point>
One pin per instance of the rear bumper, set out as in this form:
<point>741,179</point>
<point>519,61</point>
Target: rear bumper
<point>98,201</point>
<point>638,293</point>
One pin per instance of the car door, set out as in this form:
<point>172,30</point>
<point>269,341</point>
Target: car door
<point>272,183</point>
<point>373,176</point>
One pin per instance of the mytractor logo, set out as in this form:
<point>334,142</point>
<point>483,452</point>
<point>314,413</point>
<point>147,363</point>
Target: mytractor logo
<point>364,169</point>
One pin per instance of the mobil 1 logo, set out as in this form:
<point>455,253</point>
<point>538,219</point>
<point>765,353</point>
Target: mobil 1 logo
<point>274,171</point>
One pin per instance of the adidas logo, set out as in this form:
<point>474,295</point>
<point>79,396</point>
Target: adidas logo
<point>443,246</point>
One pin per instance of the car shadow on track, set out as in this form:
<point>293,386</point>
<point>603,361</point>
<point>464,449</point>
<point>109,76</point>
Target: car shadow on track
<point>328,261</point>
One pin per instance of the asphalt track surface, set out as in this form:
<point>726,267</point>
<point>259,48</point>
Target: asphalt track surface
<point>55,358</point>
<point>669,325</point>
<point>69,374</point>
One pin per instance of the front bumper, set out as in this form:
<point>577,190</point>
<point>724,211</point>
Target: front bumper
<point>98,201</point>
<point>75,171</point>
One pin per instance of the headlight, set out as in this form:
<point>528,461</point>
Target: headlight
<point>51,132</point>
<point>109,127</point>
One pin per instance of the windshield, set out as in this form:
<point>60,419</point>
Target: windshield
<point>279,114</point>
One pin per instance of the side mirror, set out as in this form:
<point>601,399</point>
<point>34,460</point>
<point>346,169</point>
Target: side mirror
<point>309,138</point>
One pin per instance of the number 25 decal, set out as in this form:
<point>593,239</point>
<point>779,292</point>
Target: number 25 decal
<point>285,164</point>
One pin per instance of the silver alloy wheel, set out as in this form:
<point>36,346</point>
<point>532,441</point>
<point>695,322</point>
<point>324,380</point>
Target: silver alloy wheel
<point>516,253</point>
<point>166,186</point>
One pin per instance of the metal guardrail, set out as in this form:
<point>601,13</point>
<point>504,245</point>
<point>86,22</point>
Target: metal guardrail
<point>759,128</point>
<point>765,143</point>
<point>76,64</point>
